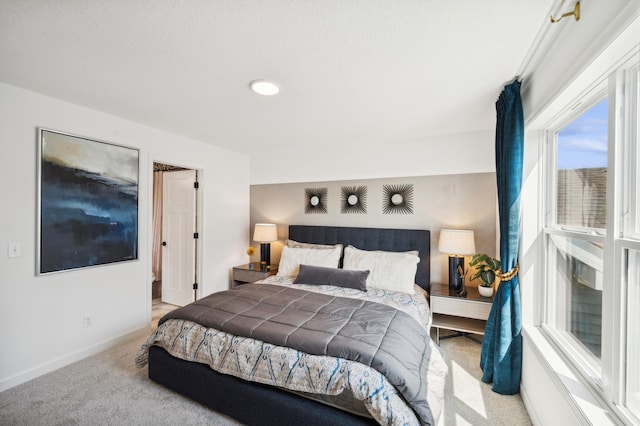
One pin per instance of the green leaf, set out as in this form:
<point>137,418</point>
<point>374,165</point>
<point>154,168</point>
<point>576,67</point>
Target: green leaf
<point>481,257</point>
<point>488,276</point>
<point>493,263</point>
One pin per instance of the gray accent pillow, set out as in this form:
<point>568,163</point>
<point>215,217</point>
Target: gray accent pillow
<point>318,275</point>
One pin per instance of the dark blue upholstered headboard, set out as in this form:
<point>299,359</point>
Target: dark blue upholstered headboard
<point>372,239</point>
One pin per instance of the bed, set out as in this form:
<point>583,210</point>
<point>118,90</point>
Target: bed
<point>370,387</point>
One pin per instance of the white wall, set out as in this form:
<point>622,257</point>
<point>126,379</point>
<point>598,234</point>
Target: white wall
<point>569,47</point>
<point>458,156</point>
<point>40,316</point>
<point>438,155</point>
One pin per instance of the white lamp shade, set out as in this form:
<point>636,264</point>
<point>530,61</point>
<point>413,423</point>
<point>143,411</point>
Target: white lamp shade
<point>265,233</point>
<point>457,242</point>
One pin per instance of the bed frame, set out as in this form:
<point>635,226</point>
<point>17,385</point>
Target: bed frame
<point>256,404</point>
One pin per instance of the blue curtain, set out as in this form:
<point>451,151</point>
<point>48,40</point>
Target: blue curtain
<point>501,357</point>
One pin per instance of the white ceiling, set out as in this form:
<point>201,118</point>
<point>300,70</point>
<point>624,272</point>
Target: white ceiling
<point>351,71</point>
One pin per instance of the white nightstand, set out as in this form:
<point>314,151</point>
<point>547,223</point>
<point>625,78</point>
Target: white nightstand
<point>466,315</point>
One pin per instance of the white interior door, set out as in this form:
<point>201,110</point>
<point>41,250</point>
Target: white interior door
<point>178,228</point>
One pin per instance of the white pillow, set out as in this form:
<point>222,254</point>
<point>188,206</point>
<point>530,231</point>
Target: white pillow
<point>292,258</point>
<point>297,244</point>
<point>395,271</point>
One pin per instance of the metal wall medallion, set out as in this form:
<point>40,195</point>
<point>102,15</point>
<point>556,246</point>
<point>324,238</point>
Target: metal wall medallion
<point>397,199</point>
<point>315,200</point>
<point>353,199</point>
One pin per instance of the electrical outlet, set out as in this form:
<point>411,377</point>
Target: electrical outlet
<point>87,321</point>
<point>15,250</point>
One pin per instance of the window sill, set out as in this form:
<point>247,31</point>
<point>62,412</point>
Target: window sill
<point>584,402</point>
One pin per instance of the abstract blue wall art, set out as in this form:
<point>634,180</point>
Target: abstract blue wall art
<point>87,202</point>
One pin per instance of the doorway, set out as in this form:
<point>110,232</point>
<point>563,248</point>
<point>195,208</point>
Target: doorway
<point>175,235</point>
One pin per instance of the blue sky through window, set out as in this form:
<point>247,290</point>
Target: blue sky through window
<point>583,143</point>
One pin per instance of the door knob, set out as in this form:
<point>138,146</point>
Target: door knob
<point>164,243</point>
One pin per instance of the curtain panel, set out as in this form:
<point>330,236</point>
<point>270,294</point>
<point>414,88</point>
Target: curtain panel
<point>156,255</point>
<point>501,356</point>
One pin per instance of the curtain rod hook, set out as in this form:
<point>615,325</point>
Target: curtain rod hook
<point>575,13</point>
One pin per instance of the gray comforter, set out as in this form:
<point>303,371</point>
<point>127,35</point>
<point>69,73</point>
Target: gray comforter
<point>370,333</point>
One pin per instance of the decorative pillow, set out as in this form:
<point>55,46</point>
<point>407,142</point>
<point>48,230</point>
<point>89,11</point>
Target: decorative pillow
<point>292,258</point>
<point>296,244</point>
<point>318,275</point>
<point>395,271</point>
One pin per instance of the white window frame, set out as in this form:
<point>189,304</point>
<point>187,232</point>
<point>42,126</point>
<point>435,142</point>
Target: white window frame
<point>634,270</point>
<point>587,363</point>
<point>608,377</point>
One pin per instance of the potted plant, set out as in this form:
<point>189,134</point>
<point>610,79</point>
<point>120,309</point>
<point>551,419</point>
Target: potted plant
<point>486,268</point>
<point>251,251</point>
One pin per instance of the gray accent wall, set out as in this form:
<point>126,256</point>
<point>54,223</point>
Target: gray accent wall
<point>458,201</point>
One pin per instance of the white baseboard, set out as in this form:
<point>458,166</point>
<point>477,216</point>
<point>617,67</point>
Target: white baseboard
<point>65,360</point>
<point>528,405</point>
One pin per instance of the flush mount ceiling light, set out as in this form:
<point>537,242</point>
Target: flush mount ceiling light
<point>264,87</point>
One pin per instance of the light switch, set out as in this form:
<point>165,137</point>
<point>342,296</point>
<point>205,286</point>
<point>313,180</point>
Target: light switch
<point>15,250</point>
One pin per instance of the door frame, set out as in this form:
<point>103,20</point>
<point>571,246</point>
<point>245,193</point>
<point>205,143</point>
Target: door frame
<point>199,225</point>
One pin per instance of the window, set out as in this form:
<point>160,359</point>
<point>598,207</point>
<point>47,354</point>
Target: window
<point>576,236</point>
<point>582,170</point>
<point>591,307</point>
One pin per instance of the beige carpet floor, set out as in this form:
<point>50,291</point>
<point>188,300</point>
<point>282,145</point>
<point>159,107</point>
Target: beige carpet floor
<point>468,400</point>
<point>107,389</point>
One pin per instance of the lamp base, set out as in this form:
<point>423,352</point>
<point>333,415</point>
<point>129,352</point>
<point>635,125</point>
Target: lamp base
<point>265,254</point>
<point>456,274</point>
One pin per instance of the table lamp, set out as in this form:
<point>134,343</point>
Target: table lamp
<point>265,233</point>
<point>457,243</point>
